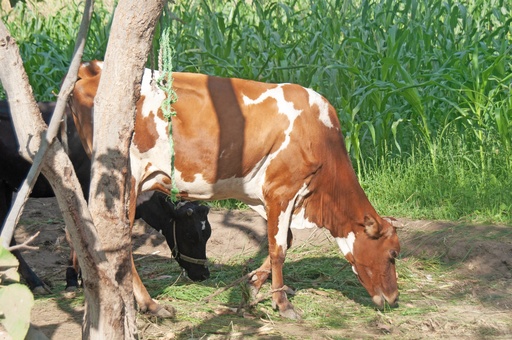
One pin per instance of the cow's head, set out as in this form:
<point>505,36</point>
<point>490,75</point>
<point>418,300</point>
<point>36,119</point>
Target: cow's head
<point>372,249</point>
<point>191,233</point>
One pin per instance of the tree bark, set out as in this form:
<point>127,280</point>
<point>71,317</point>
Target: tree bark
<point>110,193</point>
<point>103,248</point>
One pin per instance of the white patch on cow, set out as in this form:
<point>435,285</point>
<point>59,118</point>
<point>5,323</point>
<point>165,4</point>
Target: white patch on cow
<point>260,209</point>
<point>153,98</point>
<point>299,221</point>
<point>86,64</point>
<point>203,225</point>
<point>346,244</point>
<point>283,107</point>
<point>288,220</point>
<point>247,189</point>
<point>323,107</point>
<point>144,197</point>
<point>156,160</point>
<point>283,226</point>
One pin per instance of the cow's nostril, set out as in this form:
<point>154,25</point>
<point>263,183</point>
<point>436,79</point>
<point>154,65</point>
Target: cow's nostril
<point>394,300</point>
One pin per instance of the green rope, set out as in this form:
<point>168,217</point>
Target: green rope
<point>165,84</point>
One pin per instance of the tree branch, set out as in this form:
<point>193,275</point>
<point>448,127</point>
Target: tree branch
<point>19,93</point>
<point>25,245</point>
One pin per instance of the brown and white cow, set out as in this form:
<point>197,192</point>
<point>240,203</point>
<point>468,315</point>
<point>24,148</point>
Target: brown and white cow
<point>276,147</point>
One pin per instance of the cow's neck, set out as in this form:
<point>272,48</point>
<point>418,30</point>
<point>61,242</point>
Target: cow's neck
<point>337,203</point>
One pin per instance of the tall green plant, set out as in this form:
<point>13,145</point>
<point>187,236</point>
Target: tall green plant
<point>46,42</point>
<point>406,77</point>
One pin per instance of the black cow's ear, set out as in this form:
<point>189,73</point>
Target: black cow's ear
<point>372,227</point>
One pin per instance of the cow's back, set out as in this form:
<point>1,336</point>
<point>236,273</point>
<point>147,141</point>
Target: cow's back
<point>18,168</point>
<point>234,137</point>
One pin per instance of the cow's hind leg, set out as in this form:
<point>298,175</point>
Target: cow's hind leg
<point>31,278</point>
<point>33,281</point>
<point>73,269</point>
<point>144,300</point>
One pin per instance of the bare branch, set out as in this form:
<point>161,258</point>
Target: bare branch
<point>16,85</point>
<point>25,245</point>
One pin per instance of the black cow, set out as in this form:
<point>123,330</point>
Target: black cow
<point>14,169</point>
<point>157,211</point>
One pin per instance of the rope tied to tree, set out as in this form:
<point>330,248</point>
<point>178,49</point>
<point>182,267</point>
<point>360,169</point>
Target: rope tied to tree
<point>164,82</point>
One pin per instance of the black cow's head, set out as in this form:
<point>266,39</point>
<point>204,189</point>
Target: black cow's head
<point>185,227</point>
<point>191,232</point>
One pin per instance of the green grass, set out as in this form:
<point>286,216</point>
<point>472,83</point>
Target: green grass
<point>422,89</point>
<point>454,189</point>
<point>328,294</point>
<point>436,290</point>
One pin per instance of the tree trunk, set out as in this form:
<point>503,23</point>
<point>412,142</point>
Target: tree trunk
<point>110,193</point>
<point>103,248</point>
<point>56,167</point>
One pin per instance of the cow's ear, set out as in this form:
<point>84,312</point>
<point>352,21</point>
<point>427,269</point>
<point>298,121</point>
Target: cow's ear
<point>371,227</point>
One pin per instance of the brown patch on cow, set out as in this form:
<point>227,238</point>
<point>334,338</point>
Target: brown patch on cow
<point>325,169</point>
<point>199,139</point>
<point>145,135</point>
<point>80,104</point>
<point>89,70</point>
<point>297,95</point>
<point>133,200</point>
<point>254,90</point>
<point>283,178</point>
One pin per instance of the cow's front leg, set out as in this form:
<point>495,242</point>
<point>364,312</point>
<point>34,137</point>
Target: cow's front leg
<point>278,235</point>
<point>263,272</point>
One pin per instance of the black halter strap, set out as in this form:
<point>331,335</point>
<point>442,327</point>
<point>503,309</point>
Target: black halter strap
<point>176,252</point>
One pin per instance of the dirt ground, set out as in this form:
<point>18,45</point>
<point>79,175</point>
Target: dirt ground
<point>481,258</point>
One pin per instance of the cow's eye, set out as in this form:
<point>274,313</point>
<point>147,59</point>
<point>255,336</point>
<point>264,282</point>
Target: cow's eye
<point>393,254</point>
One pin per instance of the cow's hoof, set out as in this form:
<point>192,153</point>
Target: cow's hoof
<point>71,289</point>
<point>253,291</point>
<point>164,312</point>
<point>290,314</point>
<point>41,290</point>
<point>288,290</point>
<point>69,294</point>
<point>286,310</point>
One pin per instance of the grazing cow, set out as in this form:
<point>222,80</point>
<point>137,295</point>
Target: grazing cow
<point>276,147</point>
<point>157,211</point>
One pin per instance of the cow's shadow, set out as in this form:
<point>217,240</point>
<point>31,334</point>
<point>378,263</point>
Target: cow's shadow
<point>327,273</point>
<point>301,272</point>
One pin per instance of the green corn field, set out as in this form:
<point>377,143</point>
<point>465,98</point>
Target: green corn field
<point>422,88</point>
